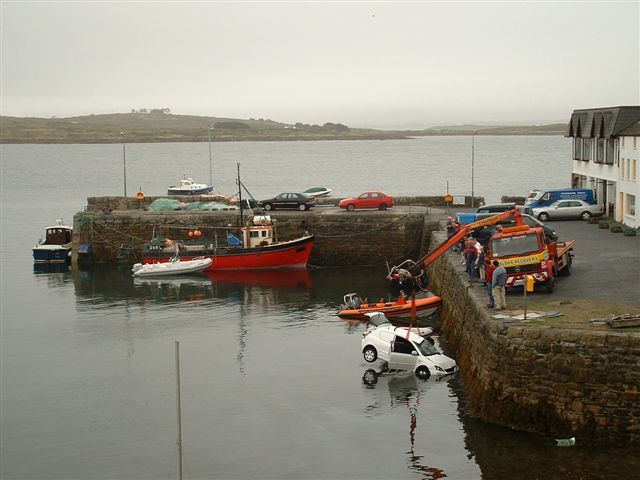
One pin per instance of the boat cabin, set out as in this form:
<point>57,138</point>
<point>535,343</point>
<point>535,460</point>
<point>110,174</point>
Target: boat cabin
<point>260,234</point>
<point>58,235</point>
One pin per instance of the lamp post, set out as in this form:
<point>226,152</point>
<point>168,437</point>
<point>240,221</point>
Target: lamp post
<point>124,164</point>
<point>210,167</point>
<point>473,147</point>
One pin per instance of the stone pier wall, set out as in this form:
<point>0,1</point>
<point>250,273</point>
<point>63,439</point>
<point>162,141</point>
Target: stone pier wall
<point>556,382</point>
<point>362,239</point>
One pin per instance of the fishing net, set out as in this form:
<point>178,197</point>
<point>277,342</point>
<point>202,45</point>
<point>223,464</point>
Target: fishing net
<point>164,205</point>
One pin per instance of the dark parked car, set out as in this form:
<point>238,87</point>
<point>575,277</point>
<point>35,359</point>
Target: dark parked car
<point>503,207</point>
<point>301,201</point>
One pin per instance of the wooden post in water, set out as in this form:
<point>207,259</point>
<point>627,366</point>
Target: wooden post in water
<point>179,440</point>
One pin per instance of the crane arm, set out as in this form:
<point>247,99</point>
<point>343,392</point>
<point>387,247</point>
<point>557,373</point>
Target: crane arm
<point>464,231</point>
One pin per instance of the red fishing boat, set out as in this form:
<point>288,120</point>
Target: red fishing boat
<point>258,249</point>
<point>426,303</point>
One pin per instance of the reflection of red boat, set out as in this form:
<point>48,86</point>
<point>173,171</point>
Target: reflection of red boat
<point>257,250</point>
<point>425,305</point>
<point>264,278</point>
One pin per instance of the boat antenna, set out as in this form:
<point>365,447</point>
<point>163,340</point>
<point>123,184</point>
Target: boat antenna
<point>241,216</point>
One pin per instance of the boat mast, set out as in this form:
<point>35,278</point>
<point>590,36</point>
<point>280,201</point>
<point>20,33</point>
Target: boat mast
<point>179,440</point>
<point>241,217</point>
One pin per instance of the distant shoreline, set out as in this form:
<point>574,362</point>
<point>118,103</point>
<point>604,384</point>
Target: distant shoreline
<point>167,128</point>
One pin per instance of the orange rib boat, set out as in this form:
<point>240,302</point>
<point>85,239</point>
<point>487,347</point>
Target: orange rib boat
<point>426,304</point>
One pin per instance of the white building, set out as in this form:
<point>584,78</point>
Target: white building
<point>605,158</point>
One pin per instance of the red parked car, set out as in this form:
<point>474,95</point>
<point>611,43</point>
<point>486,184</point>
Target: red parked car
<point>377,200</point>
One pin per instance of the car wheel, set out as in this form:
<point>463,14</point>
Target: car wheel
<point>370,377</point>
<point>585,216</point>
<point>370,354</point>
<point>351,207</point>
<point>267,206</point>
<point>543,217</point>
<point>302,207</point>
<point>383,206</point>
<point>423,373</point>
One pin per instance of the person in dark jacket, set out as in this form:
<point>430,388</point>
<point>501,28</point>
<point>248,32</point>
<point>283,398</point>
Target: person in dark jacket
<point>499,281</point>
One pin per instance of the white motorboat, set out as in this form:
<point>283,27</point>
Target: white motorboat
<point>318,192</point>
<point>174,267</point>
<point>188,187</point>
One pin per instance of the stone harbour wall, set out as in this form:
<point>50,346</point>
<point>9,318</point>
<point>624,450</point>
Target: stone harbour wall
<point>556,382</point>
<point>364,239</point>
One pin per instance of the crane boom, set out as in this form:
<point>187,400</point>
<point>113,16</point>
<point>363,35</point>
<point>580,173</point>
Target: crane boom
<point>455,239</point>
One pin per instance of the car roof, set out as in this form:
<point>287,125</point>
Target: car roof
<point>402,332</point>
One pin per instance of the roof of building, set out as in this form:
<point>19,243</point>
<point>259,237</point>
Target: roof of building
<point>633,129</point>
<point>605,122</point>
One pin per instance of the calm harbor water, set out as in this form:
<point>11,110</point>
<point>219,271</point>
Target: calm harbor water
<point>271,378</point>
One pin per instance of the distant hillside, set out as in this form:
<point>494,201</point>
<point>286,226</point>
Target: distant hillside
<point>553,129</point>
<point>164,127</point>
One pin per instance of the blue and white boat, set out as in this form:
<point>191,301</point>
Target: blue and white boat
<point>56,246</point>
<point>188,187</point>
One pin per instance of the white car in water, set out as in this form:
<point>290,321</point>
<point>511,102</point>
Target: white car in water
<point>406,350</point>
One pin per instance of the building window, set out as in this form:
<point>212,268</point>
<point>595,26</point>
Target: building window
<point>622,142</point>
<point>577,149</point>
<point>586,149</point>
<point>622,168</point>
<point>610,151</point>
<point>634,142</point>
<point>600,151</point>
<point>630,206</point>
<point>628,168</point>
<point>633,170</point>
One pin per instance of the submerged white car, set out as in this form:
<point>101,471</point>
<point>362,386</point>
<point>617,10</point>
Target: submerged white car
<point>405,350</point>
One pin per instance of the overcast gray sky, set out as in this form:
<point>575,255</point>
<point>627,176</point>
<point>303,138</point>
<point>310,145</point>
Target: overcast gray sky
<point>411,64</point>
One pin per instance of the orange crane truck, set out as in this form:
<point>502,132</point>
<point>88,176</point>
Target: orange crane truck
<point>409,275</point>
<point>524,250</point>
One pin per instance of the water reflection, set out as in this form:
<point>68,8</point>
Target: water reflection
<point>39,268</point>
<point>112,284</point>
<point>405,390</point>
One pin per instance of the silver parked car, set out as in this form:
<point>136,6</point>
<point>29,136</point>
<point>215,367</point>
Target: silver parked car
<point>569,209</point>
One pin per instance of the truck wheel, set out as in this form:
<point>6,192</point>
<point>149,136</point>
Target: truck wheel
<point>585,216</point>
<point>543,217</point>
<point>550,285</point>
<point>566,271</point>
<point>423,373</point>
<point>370,354</point>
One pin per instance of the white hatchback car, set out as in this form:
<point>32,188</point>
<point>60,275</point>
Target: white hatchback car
<point>404,350</point>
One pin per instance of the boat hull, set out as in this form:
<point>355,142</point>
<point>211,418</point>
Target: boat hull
<point>425,307</point>
<point>51,254</point>
<point>170,268</point>
<point>284,255</point>
<point>191,191</point>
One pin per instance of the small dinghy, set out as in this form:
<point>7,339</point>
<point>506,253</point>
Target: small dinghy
<point>174,267</point>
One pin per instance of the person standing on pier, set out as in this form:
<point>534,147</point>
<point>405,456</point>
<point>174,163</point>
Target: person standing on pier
<point>499,280</point>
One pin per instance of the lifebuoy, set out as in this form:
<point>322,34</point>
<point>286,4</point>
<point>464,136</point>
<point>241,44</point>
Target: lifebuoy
<point>140,196</point>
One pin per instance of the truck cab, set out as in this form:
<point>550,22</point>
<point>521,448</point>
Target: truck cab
<point>525,251</point>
